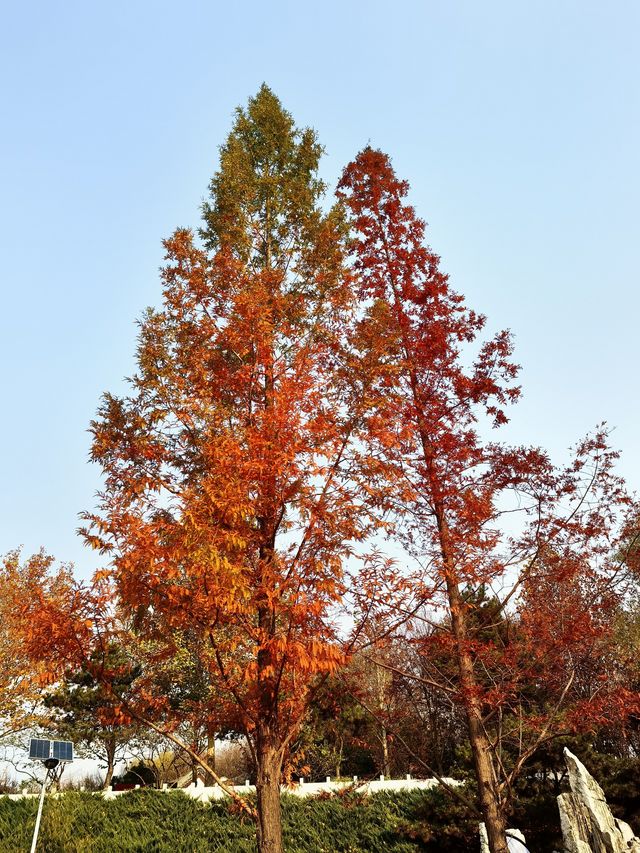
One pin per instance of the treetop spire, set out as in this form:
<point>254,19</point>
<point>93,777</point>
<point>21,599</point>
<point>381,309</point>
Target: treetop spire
<point>266,189</point>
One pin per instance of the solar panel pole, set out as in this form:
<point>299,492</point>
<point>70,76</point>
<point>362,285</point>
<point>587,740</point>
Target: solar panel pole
<point>37,829</point>
<point>45,751</point>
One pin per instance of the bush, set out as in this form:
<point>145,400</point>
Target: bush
<point>147,821</point>
<point>138,774</point>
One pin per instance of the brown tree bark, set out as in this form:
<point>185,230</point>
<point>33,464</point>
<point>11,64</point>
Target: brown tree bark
<point>491,803</point>
<point>488,793</point>
<point>110,748</point>
<point>269,760</point>
<point>211,759</point>
<point>380,676</point>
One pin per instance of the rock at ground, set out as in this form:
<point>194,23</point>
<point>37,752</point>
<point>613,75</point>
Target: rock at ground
<point>575,824</point>
<point>587,823</point>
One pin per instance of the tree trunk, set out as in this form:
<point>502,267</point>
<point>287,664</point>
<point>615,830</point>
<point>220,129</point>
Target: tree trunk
<point>110,748</point>
<point>490,804</point>
<point>269,760</point>
<point>380,676</point>
<point>338,767</point>
<point>490,800</point>
<point>386,764</point>
<point>107,779</point>
<point>269,755</point>
<point>210,759</point>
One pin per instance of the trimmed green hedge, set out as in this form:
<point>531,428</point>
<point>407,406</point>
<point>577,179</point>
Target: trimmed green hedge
<point>147,821</point>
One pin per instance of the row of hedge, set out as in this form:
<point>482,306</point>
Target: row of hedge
<point>147,821</point>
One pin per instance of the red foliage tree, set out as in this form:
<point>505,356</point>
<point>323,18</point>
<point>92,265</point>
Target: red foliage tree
<point>450,490</point>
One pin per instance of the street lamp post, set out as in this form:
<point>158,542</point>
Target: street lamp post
<point>51,753</point>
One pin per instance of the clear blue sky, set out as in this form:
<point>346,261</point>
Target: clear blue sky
<point>517,124</point>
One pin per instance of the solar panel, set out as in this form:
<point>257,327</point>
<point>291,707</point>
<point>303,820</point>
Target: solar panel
<point>39,749</point>
<point>63,750</point>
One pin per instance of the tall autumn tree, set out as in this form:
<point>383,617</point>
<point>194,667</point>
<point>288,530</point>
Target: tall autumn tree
<point>224,510</point>
<point>449,490</point>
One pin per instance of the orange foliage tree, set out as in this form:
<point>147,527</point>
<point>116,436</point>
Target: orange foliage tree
<point>225,511</point>
<point>47,628</point>
<point>450,492</point>
<point>20,678</point>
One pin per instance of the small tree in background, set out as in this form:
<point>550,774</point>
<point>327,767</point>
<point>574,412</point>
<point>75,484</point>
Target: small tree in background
<point>23,677</point>
<point>82,709</point>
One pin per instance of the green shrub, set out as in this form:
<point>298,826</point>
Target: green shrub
<point>147,821</point>
<point>141,821</point>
